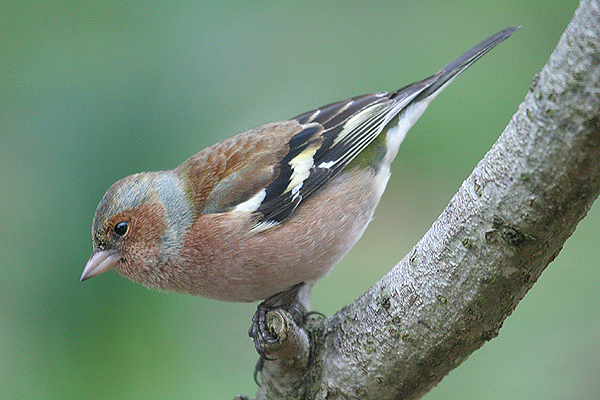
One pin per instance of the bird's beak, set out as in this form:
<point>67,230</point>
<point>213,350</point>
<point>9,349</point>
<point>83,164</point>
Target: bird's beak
<point>100,261</point>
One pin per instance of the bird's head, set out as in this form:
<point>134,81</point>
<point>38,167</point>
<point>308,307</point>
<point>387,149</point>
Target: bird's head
<point>134,230</point>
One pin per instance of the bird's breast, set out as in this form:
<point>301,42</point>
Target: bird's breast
<point>220,259</point>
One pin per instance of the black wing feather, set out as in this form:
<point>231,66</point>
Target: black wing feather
<point>279,202</point>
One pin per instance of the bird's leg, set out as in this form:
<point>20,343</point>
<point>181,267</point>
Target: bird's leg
<point>286,300</point>
<point>279,334</point>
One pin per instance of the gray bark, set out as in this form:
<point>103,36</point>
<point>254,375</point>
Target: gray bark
<point>452,292</point>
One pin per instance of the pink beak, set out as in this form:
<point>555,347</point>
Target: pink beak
<point>100,261</point>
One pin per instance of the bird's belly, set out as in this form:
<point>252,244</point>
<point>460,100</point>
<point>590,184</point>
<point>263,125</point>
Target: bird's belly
<point>303,248</point>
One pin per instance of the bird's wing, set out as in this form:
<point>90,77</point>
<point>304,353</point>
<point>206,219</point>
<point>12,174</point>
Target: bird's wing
<point>332,136</point>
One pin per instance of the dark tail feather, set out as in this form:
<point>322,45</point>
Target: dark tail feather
<point>450,71</point>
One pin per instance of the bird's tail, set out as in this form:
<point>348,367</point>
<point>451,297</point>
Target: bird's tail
<point>447,74</point>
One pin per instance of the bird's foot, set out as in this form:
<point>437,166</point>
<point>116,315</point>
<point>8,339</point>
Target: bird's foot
<point>259,330</point>
<point>277,330</point>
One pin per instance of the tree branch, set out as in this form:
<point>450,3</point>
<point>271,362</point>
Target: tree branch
<point>508,221</point>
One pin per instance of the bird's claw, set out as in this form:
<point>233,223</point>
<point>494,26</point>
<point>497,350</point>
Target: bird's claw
<point>285,301</point>
<point>260,332</point>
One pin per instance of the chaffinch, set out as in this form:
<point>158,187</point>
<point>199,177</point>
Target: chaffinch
<point>270,208</point>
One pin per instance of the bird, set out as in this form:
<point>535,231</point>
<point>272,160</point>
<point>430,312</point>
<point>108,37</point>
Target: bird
<point>260,214</point>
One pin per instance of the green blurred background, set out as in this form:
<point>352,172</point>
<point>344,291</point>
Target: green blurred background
<point>91,91</point>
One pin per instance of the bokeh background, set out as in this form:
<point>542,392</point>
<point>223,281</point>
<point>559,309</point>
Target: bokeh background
<point>91,91</point>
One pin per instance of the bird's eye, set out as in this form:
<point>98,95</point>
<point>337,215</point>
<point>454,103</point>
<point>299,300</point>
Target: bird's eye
<point>121,228</point>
